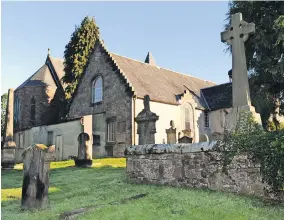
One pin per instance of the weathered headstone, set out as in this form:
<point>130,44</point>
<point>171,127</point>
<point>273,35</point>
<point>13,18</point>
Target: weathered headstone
<point>8,146</point>
<point>36,161</point>
<point>171,133</point>
<point>84,151</point>
<point>203,138</point>
<point>185,140</point>
<point>146,121</point>
<point>237,35</point>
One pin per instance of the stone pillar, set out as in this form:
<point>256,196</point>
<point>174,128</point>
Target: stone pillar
<point>171,133</point>
<point>146,124</point>
<point>84,153</point>
<point>36,161</point>
<point>8,146</point>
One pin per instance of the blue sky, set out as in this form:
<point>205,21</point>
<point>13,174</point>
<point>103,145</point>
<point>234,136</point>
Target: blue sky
<point>182,36</point>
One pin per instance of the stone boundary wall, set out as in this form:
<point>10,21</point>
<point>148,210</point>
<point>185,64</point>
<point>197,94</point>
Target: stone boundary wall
<point>192,165</point>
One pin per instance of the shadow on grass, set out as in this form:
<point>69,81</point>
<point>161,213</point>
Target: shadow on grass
<point>253,200</point>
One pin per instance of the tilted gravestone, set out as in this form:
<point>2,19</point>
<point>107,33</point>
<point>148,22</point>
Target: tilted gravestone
<point>36,161</point>
<point>84,151</point>
<point>146,121</point>
<point>171,133</point>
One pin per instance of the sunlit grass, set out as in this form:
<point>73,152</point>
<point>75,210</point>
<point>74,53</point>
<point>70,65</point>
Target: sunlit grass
<point>16,193</point>
<point>111,162</point>
<point>72,188</point>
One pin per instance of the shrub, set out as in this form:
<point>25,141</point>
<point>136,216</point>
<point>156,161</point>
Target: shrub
<point>265,148</point>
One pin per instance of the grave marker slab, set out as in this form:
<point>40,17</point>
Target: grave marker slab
<point>84,151</point>
<point>171,133</point>
<point>36,161</point>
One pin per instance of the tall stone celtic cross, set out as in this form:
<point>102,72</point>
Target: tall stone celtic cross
<point>236,36</point>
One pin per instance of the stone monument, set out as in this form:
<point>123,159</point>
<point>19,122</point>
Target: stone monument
<point>146,121</point>
<point>36,161</point>
<point>84,151</point>
<point>8,146</point>
<point>171,133</point>
<point>236,36</point>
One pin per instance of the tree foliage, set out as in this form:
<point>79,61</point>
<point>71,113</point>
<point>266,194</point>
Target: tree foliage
<point>264,51</point>
<point>77,52</point>
<point>264,148</point>
<point>4,99</point>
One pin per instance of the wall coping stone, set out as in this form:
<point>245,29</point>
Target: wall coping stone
<point>170,148</point>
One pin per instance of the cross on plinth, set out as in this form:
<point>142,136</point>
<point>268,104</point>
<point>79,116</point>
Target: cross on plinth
<point>236,36</point>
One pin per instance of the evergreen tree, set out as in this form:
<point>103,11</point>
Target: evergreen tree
<point>77,53</point>
<point>264,52</point>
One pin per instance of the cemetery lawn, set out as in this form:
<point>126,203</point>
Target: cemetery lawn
<point>72,188</point>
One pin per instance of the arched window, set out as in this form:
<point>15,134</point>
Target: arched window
<point>188,117</point>
<point>33,105</point>
<point>97,90</point>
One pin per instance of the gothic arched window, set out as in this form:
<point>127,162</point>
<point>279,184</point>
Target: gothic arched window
<point>33,108</point>
<point>188,117</point>
<point>97,90</point>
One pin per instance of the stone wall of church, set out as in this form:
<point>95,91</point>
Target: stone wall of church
<point>116,105</point>
<point>42,95</point>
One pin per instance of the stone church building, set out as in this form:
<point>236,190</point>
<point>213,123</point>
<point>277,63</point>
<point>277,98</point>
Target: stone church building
<point>107,100</point>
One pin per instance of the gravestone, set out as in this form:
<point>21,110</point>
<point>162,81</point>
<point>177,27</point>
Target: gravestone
<point>203,138</point>
<point>84,158</point>
<point>185,140</point>
<point>171,133</point>
<point>36,161</point>
<point>8,146</point>
<point>238,33</point>
<point>146,121</point>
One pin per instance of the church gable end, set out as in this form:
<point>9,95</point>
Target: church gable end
<point>104,93</point>
<point>114,86</point>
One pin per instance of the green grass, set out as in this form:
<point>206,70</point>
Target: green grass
<point>72,188</point>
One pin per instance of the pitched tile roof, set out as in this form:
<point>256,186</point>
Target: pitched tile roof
<point>159,83</point>
<point>218,97</point>
<point>43,76</point>
<point>58,66</point>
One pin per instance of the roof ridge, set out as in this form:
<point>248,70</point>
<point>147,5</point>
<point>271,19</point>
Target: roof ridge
<point>162,68</point>
<point>132,59</point>
<point>57,58</point>
<point>216,85</point>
